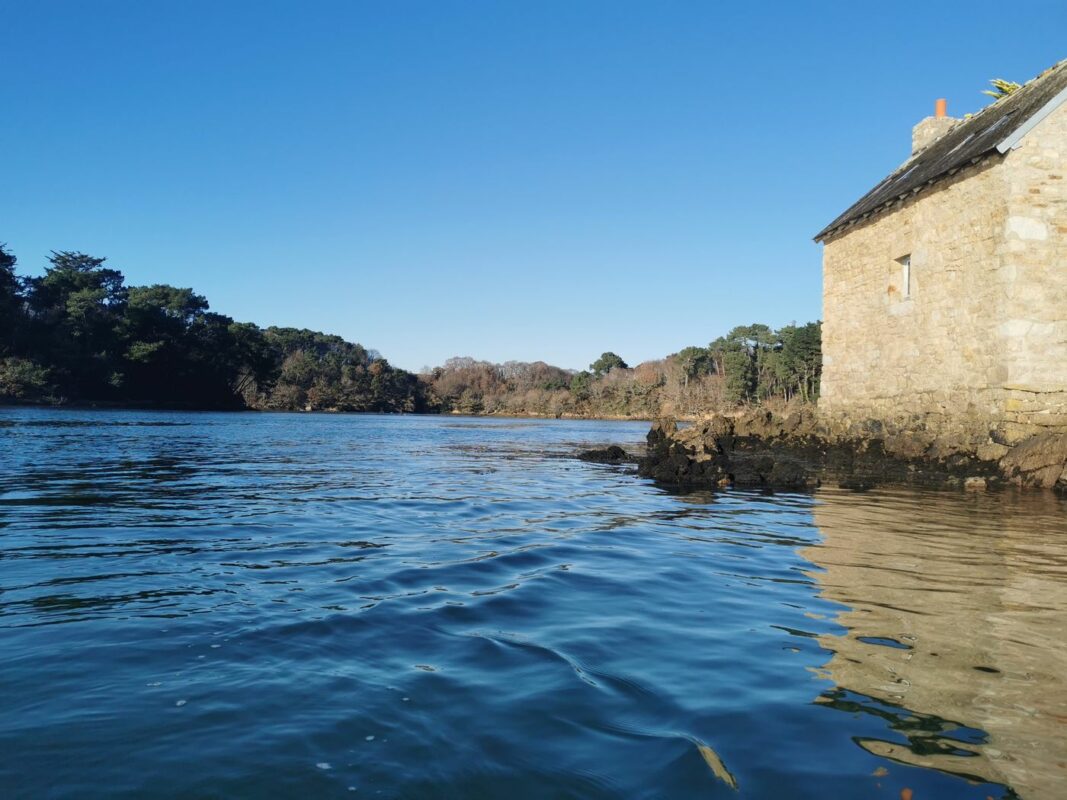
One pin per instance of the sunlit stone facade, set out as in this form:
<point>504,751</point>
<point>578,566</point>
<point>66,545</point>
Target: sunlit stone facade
<point>950,306</point>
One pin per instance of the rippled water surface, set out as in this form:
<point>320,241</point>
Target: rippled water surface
<point>252,605</point>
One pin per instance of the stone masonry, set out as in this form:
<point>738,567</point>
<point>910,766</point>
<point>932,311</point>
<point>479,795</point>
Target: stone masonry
<point>949,308</point>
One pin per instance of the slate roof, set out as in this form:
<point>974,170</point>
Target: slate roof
<point>998,127</point>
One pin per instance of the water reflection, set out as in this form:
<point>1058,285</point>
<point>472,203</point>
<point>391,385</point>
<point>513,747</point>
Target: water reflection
<point>956,610</point>
<point>437,607</point>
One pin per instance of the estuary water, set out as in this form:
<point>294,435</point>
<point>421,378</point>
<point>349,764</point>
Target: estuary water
<point>276,605</point>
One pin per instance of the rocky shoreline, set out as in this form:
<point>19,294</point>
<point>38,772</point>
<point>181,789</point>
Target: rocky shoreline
<point>799,451</point>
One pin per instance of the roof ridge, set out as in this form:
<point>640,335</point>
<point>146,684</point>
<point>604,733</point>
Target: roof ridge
<point>967,119</point>
<point>967,141</point>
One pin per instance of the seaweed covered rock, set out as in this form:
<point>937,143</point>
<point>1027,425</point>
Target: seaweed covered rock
<point>673,456</point>
<point>796,451</point>
<point>612,454</point>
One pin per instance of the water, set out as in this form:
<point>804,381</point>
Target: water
<point>243,605</point>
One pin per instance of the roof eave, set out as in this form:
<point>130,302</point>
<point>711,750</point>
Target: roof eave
<point>834,229</point>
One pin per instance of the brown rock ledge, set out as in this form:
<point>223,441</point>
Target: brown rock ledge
<point>799,451</point>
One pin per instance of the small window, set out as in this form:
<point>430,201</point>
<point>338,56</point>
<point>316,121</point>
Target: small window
<point>905,275</point>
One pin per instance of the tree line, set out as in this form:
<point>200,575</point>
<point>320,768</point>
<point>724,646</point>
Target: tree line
<point>79,334</point>
<point>750,365</point>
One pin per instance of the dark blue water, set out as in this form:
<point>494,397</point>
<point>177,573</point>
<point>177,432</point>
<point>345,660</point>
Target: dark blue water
<point>252,605</point>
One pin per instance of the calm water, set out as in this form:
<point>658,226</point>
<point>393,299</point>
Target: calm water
<point>209,605</point>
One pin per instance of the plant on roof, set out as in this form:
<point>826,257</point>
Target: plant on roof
<point>1001,88</point>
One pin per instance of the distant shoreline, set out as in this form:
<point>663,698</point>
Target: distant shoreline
<point>104,406</point>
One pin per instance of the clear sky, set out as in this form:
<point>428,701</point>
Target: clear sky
<point>506,179</point>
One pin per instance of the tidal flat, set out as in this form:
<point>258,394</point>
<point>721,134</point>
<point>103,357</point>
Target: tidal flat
<point>303,605</point>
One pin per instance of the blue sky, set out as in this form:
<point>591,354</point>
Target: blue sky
<point>506,180</point>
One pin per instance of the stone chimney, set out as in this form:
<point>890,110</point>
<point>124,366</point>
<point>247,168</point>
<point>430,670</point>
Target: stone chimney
<point>932,128</point>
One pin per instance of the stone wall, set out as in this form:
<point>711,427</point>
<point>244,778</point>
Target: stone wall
<point>1033,325</point>
<point>977,340</point>
<point>929,130</point>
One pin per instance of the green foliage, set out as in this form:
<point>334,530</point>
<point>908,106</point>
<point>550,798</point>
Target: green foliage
<point>757,363</point>
<point>1001,88</point>
<point>10,300</point>
<point>69,320</point>
<point>8,261</point>
<point>606,363</point>
<point>320,371</point>
<point>580,384</point>
<point>694,361</point>
<point>78,330</point>
<point>78,333</point>
<point>799,367</point>
<point>22,379</point>
<point>736,357</point>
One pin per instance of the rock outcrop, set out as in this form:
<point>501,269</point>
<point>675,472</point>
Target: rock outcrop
<point>612,454</point>
<point>798,451</point>
<point>1038,461</point>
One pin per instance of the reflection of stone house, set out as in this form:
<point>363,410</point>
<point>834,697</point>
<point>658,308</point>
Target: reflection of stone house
<point>937,640</point>
<point>945,286</point>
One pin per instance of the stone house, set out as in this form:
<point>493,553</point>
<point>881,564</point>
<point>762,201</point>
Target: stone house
<point>945,286</point>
